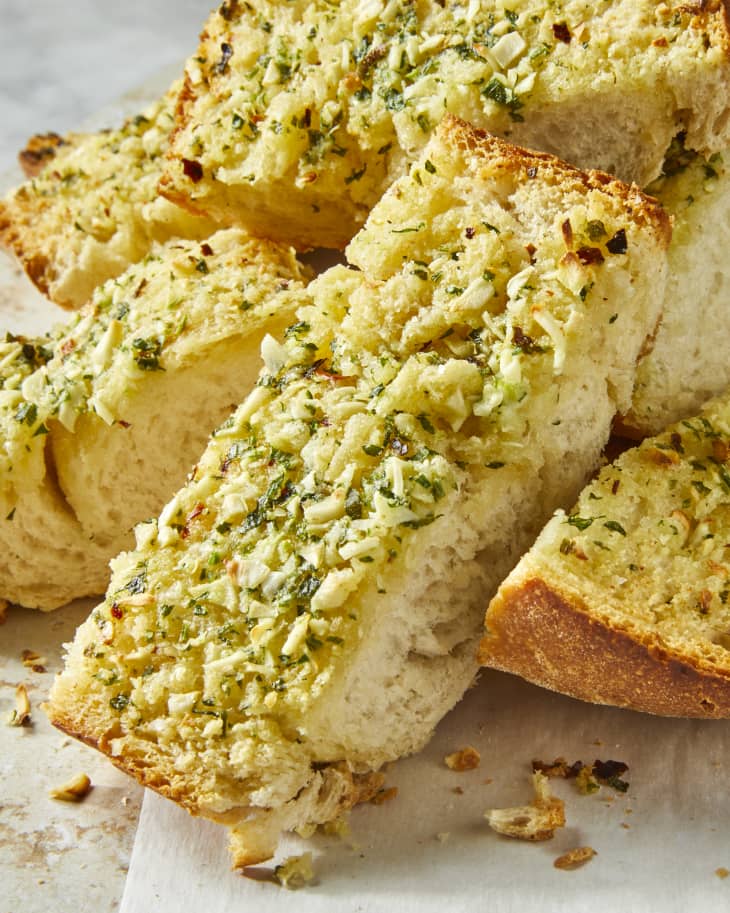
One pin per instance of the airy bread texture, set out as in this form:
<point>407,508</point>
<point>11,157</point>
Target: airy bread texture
<point>101,420</point>
<point>296,116</point>
<point>308,607</point>
<point>688,364</point>
<point>91,208</point>
<point>625,600</point>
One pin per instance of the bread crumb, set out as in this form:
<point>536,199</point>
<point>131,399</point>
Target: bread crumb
<point>384,795</point>
<point>340,827</point>
<point>33,660</point>
<point>588,777</point>
<point>574,859</point>
<point>21,715</point>
<point>487,781</point>
<point>295,872</point>
<point>465,759</point>
<point>459,790</point>
<point>625,825</point>
<point>443,836</point>
<point>722,872</point>
<point>536,821</point>
<point>73,791</point>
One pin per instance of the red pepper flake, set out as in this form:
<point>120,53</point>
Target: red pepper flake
<point>120,421</point>
<point>196,511</point>
<point>68,347</point>
<point>333,376</point>
<point>469,232</point>
<point>116,611</point>
<point>567,230</point>
<point>206,250</point>
<point>589,255</point>
<point>705,602</point>
<point>615,486</point>
<point>562,32</point>
<point>192,170</point>
<point>531,251</point>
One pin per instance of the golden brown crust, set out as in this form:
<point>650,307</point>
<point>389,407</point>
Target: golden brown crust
<point>642,209</point>
<point>535,632</point>
<point>39,151</point>
<point>12,236</point>
<point>358,787</point>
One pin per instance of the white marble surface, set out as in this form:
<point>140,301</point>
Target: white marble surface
<point>61,62</point>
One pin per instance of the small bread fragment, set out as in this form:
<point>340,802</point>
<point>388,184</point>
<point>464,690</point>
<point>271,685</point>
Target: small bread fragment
<point>74,790</point>
<point>625,599</point>
<point>295,872</point>
<point>295,116</point>
<point>20,716</point>
<point>91,207</point>
<point>308,606</point>
<point>467,758</point>
<point>575,858</point>
<point>687,363</point>
<point>537,821</point>
<point>101,420</point>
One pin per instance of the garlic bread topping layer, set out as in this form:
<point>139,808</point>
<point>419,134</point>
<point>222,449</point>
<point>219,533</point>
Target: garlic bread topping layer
<point>332,100</point>
<point>324,569</point>
<point>94,209</point>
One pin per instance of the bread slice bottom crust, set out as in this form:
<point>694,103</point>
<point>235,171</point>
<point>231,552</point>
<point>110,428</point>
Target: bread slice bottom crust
<point>546,635</point>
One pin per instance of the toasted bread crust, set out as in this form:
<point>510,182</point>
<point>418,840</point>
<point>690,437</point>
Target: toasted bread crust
<point>38,152</point>
<point>354,788</point>
<point>481,145</point>
<point>548,638</point>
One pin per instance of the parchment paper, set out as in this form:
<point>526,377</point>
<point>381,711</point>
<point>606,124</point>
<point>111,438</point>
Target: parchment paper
<point>658,845</point>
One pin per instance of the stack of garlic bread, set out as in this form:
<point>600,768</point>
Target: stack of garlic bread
<point>101,421</point>
<point>308,607</point>
<point>296,116</point>
<point>310,603</point>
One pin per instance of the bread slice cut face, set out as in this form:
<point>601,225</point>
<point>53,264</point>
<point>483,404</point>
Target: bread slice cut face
<point>624,599</point>
<point>296,116</point>
<point>308,606</point>
<point>101,421</point>
<point>91,208</point>
<point>687,363</point>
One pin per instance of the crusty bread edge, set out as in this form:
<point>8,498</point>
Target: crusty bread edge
<point>641,208</point>
<point>549,638</point>
<point>356,787</point>
<point>37,267</point>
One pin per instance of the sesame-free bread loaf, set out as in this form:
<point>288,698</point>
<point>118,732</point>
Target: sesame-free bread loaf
<point>91,207</point>
<point>101,420</point>
<point>688,359</point>
<point>296,116</point>
<point>624,599</point>
<point>308,606</point>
